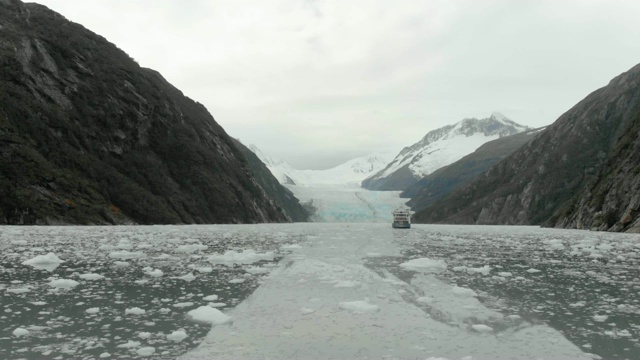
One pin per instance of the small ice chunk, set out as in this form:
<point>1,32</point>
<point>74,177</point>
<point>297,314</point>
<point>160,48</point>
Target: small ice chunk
<point>217,304</point>
<point>146,351</point>
<point>533,271</point>
<point>231,257</point>
<point>236,281</point>
<point>346,284</point>
<point>93,310</point>
<point>359,306</point>
<point>183,304</point>
<point>482,328</point>
<point>105,355</point>
<point>134,311</point>
<point>177,336</point>
<point>127,255</point>
<point>210,298</point>
<point>290,247</point>
<point>307,311</point>
<point>188,277</point>
<point>424,300</point>
<point>20,332</point>
<point>91,276</point>
<point>190,248</point>
<point>63,283</point>
<point>155,273</point>
<point>144,335</point>
<point>425,265</point>
<point>505,274</point>
<point>209,315</point>
<point>121,263</point>
<point>130,344</point>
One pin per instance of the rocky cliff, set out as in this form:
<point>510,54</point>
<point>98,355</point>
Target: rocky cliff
<point>283,196</point>
<point>580,172</point>
<point>87,136</point>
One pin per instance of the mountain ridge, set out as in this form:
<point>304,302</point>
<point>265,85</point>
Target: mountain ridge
<point>438,148</point>
<point>87,136</point>
<point>568,175</point>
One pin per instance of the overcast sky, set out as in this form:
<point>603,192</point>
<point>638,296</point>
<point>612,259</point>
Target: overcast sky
<point>316,82</point>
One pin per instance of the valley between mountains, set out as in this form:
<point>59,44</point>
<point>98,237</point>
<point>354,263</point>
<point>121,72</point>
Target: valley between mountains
<point>87,136</point>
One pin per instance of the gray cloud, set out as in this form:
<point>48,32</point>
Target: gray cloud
<point>316,82</point>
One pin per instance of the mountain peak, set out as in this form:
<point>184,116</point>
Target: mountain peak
<point>498,116</point>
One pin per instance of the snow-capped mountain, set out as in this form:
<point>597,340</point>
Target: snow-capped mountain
<point>350,173</point>
<point>439,148</point>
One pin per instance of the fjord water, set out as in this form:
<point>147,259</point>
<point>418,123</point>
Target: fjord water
<point>320,291</point>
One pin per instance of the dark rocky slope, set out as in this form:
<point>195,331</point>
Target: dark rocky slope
<point>451,177</point>
<point>89,137</point>
<point>581,172</point>
<point>283,196</point>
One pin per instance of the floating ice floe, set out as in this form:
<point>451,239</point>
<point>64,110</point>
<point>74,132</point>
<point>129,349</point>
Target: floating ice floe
<point>533,271</point>
<point>359,306</point>
<point>484,270</point>
<point>63,283</point>
<point>425,265</point>
<point>104,355</point>
<point>134,311</point>
<point>154,273</point>
<point>307,311</point>
<point>144,335</point>
<point>237,281</point>
<point>146,351</point>
<point>93,310</point>
<point>600,318</point>
<point>462,291</point>
<point>48,262</point>
<point>209,315</point>
<point>482,328</point>
<point>20,290</point>
<point>244,257</point>
<point>177,336</point>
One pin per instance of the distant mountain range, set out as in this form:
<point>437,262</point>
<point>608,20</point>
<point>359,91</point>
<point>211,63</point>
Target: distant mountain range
<point>583,171</point>
<point>439,148</point>
<point>349,174</point>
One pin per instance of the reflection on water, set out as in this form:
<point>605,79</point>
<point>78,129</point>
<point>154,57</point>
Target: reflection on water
<point>164,271</point>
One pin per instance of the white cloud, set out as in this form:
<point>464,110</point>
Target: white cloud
<point>317,81</point>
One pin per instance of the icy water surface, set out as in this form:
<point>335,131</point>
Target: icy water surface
<point>124,292</point>
<point>121,289</point>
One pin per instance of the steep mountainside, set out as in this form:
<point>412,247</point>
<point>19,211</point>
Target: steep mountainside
<point>89,137</point>
<point>283,196</point>
<point>580,172</point>
<point>439,148</point>
<point>449,178</point>
<point>350,173</point>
